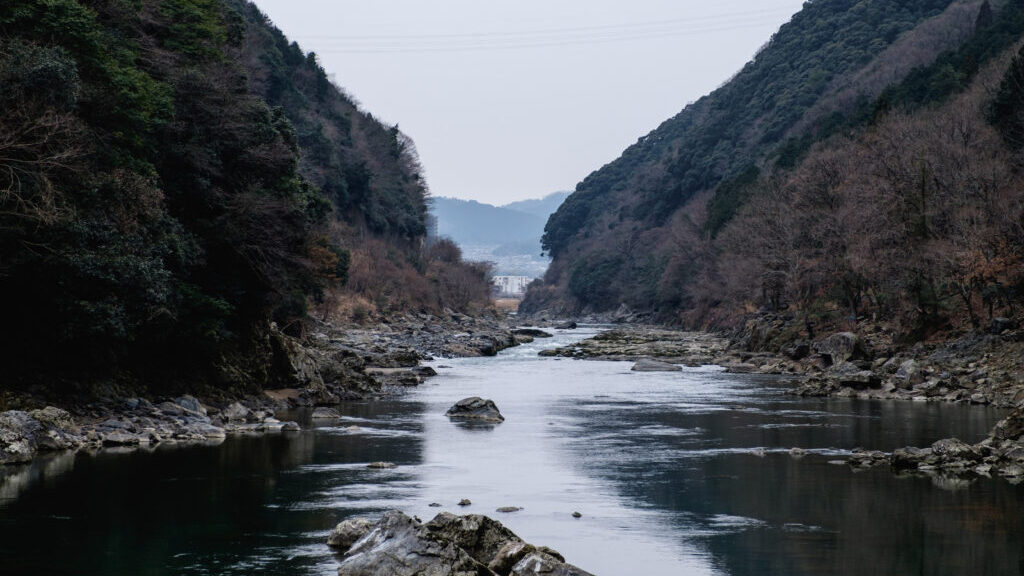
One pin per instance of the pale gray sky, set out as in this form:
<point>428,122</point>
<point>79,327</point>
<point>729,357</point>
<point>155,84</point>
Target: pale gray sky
<point>514,99</point>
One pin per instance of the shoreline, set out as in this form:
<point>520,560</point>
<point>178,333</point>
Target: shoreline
<point>338,364</point>
<point>334,364</point>
<point>981,369</point>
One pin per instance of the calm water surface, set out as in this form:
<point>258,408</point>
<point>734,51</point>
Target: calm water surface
<point>675,474</point>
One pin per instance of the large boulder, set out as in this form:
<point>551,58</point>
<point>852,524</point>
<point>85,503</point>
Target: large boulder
<point>348,532</point>
<point>475,409</point>
<point>999,325</point>
<point>649,365</point>
<point>235,413</point>
<point>448,545</point>
<point>1011,427</point>
<point>841,347</point>
<point>849,374</point>
<point>400,546</point>
<point>544,563</point>
<point>59,431</point>
<point>481,537</point>
<point>18,437</point>
<point>908,458</point>
<point>191,406</point>
<point>908,375</point>
<point>954,449</point>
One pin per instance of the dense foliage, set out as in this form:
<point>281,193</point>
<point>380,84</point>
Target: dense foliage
<point>889,189</point>
<point>175,175</point>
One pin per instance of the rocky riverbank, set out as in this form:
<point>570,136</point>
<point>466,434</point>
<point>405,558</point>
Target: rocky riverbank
<point>978,368</point>
<point>331,365</point>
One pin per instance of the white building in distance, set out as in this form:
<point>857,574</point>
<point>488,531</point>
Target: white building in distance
<point>511,286</point>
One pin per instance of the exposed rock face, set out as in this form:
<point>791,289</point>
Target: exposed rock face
<point>475,409</point>
<point>448,545</point>
<point>649,365</point>
<point>346,533</point>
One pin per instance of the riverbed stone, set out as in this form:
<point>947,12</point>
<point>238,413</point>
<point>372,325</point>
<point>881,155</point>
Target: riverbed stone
<point>235,413</point>
<point>840,347</point>
<point>326,414</point>
<point>191,405</point>
<point>475,409</point>
<point>649,365</point>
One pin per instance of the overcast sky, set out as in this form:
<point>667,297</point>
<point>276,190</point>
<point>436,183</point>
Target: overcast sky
<point>514,99</point>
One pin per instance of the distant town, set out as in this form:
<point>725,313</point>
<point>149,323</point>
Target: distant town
<point>511,286</point>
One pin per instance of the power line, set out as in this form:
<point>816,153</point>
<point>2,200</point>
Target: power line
<point>555,31</point>
<point>478,42</point>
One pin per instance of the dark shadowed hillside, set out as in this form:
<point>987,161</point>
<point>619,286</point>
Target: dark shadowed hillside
<point>175,176</point>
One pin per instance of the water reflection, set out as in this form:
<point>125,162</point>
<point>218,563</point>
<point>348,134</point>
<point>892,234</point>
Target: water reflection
<point>251,503</point>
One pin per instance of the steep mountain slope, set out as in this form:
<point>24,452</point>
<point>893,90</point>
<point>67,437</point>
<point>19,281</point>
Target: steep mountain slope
<point>174,177</point>
<point>642,230</point>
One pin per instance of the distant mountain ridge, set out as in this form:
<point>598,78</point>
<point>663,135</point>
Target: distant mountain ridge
<point>472,222</point>
<point>542,207</point>
<point>508,235</point>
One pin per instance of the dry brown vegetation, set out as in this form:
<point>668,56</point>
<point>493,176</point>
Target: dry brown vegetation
<point>918,220</point>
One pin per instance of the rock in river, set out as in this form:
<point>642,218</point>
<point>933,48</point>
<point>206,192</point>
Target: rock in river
<point>448,545</point>
<point>326,414</point>
<point>348,533</point>
<point>532,332</point>
<point>475,409</point>
<point>648,365</point>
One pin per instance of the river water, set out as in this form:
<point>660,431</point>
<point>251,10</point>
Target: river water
<point>674,474</point>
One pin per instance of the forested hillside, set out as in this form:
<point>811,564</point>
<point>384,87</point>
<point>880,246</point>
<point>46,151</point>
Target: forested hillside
<point>174,177</point>
<point>865,162</point>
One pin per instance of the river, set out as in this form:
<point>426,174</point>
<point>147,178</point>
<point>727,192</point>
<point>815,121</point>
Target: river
<point>673,473</point>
